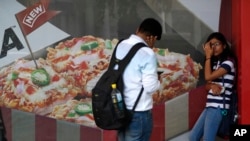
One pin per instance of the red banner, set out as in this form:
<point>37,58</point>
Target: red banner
<point>34,16</point>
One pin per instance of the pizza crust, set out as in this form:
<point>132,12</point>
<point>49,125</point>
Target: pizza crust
<point>69,112</point>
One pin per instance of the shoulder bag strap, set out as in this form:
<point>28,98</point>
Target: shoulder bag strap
<point>224,111</point>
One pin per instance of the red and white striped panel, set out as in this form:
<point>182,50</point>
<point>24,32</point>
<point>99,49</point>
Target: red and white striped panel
<point>24,126</point>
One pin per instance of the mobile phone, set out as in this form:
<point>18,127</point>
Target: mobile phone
<point>159,71</point>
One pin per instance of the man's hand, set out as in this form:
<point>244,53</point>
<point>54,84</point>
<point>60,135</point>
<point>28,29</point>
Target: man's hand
<point>150,40</point>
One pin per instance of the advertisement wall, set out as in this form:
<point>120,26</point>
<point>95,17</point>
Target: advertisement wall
<point>48,73</point>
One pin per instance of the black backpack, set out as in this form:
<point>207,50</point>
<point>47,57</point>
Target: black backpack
<point>102,105</point>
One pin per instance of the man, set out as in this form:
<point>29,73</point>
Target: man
<point>140,72</point>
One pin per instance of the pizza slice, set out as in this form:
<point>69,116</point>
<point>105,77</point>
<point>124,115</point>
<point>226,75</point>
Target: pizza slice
<point>80,60</point>
<point>32,89</point>
<point>180,74</point>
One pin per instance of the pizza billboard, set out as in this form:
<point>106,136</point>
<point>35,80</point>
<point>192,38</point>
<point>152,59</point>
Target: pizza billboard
<point>51,69</point>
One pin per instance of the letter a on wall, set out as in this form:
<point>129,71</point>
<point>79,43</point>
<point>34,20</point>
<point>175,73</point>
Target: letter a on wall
<point>7,45</point>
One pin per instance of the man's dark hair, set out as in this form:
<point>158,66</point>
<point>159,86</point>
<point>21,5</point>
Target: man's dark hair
<point>151,26</point>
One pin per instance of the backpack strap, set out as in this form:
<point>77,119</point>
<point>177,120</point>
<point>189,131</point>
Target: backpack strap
<point>124,62</point>
<point>113,58</point>
<point>137,100</point>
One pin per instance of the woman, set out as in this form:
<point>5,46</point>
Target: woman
<point>219,72</point>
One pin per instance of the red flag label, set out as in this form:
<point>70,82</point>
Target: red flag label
<point>31,18</point>
<point>34,16</point>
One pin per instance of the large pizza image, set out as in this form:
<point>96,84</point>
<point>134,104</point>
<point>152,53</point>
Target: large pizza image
<point>80,60</point>
<point>60,87</point>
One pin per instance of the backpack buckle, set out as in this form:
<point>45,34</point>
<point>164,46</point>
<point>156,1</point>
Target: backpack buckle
<point>224,112</point>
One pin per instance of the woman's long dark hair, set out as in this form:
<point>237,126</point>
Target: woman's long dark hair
<point>227,52</point>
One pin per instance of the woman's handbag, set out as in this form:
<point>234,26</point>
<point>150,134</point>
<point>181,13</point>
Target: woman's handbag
<point>230,116</point>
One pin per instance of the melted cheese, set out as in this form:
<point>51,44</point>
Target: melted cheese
<point>36,97</point>
<point>41,95</point>
<point>62,52</point>
<point>76,48</point>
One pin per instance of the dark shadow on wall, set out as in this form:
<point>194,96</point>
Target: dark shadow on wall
<point>2,128</point>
